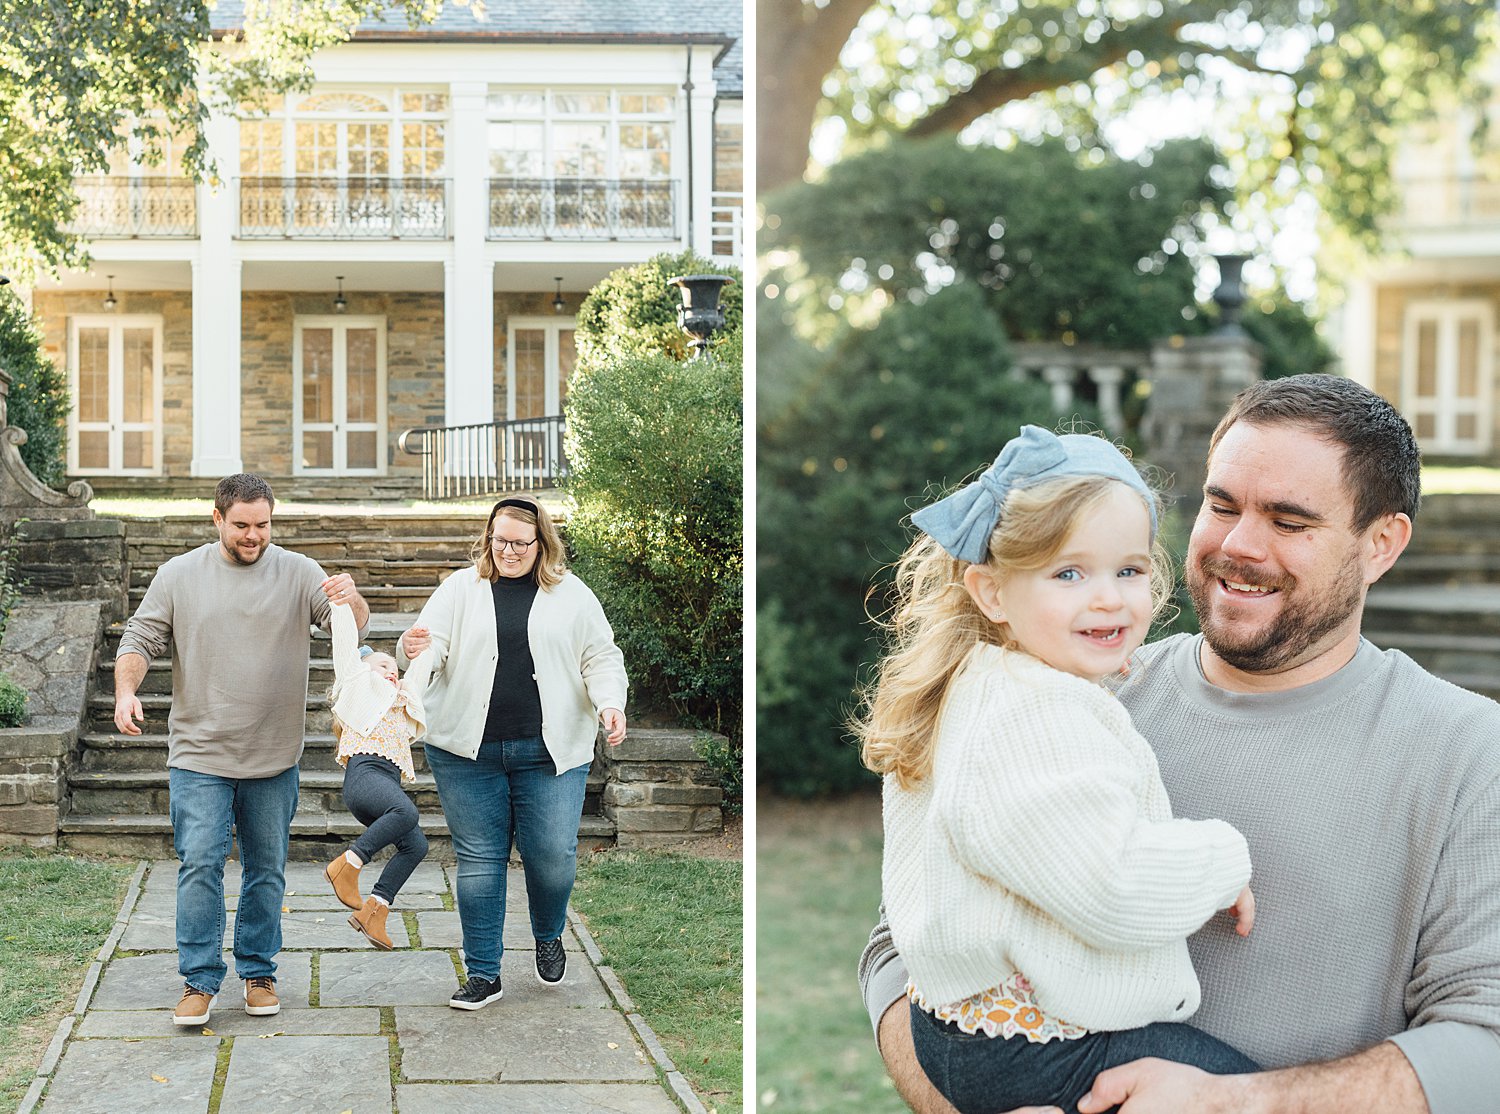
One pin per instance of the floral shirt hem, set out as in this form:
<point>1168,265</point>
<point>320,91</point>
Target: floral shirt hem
<point>1007,1009</point>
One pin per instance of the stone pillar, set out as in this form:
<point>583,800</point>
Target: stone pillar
<point>1060,379</point>
<point>658,789</point>
<point>50,651</point>
<point>1108,380</point>
<point>1193,381</point>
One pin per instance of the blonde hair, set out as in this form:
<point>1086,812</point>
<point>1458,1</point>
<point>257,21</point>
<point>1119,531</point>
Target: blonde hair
<point>551,562</point>
<point>934,623</point>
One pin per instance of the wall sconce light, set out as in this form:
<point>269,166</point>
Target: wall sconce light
<point>558,304</point>
<point>340,303</point>
<point>110,301</point>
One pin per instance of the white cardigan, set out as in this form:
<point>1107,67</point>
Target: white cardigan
<point>361,695</point>
<point>579,669</point>
<point>1044,843</point>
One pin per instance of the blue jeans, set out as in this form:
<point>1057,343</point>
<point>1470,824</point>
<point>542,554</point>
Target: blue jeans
<point>510,791</point>
<point>203,808</point>
<point>372,794</point>
<point>978,1074</point>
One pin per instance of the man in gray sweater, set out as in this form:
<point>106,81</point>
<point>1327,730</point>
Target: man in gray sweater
<point>237,614</point>
<point>1368,790</point>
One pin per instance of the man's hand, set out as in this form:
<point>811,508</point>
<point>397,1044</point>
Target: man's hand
<point>1243,912</point>
<point>127,712</point>
<point>414,641</point>
<point>1162,1087</point>
<point>614,726</point>
<point>340,588</point>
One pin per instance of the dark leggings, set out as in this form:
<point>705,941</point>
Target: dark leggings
<point>981,1075</point>
<point>372,793</point>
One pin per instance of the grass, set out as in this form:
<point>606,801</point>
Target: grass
<point>817,895</point>
<point>55,913</point>
<point>671,927</point>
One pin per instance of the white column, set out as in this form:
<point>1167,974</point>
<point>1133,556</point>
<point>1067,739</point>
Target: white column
<point>1060,379</point>
<point>216,314</point>
<point>468,276</point>
<point>704,91</point>
<point>1108,380</point>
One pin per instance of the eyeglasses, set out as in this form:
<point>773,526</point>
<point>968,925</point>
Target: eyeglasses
<point>503,545</point>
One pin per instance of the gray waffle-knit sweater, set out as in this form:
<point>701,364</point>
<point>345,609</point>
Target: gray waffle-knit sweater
<point>1370,801</point>
<point>240,642</point>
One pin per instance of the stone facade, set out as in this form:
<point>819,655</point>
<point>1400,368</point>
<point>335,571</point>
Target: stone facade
<point>414,370</point>
<point>50,651</point>
<point>175,308</point>
<point>658,789</point>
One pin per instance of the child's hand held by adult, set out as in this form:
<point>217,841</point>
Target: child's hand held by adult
<point>1243,912</point>
<point>339,588</point>
<point>415,640</point>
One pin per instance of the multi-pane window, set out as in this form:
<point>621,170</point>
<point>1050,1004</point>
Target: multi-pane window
<point>580,133</point>
<point>349,134</point>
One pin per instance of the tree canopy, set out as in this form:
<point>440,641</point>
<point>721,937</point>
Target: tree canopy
<point>1315,92</point>
<point>81,80</point>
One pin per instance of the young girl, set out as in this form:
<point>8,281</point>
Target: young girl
<point>1036,884</point>
<point>376,718</point>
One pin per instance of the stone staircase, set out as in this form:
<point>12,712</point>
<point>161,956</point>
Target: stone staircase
<point>1440,603</point>
<point>118,783</point>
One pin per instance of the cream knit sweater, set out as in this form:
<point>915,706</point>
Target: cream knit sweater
<point>1044,842</point>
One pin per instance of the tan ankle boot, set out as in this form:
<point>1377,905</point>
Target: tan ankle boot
<point>345,878</point>
<point>371,921</point>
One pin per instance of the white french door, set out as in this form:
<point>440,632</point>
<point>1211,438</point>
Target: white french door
<point>1447,367</point>
<point>539,358</point>
<point>338,396</point>
<point>114,372</point>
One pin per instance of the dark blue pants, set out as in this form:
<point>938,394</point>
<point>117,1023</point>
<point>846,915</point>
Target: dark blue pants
<point>372,793</point>
<point>982,1075</point>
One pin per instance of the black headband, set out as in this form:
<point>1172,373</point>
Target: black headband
<point>522,504</point>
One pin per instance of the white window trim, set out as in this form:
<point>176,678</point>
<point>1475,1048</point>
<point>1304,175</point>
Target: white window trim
<point>613,118</point>
<point>288,117</point>
<point>340,389</point>
<point>117,323</point>
<point>1444,406</point>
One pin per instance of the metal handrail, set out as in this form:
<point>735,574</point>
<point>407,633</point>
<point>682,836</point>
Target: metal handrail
<point>112,206</point>
<point>489,458</point>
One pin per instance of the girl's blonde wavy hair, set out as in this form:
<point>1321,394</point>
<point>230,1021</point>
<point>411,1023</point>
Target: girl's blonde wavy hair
<point>934,622</point>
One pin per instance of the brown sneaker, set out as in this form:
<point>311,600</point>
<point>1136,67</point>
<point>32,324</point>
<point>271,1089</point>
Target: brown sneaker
<point>371,921</point>
<point>194,1007</point>
<point>345,878</point>
<point>260,997</point>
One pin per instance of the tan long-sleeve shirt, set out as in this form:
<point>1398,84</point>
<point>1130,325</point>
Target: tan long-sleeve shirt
<point>240,639</point>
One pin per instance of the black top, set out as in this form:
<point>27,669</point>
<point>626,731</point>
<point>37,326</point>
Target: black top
<point>515,702</point>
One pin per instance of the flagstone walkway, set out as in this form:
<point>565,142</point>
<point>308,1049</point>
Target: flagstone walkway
<point>360,1030</point>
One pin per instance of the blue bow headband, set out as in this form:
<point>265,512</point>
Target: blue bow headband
<point>962,522</point>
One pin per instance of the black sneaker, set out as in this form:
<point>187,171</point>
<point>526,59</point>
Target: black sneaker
<point>551,961</point>
<point>476,994</point>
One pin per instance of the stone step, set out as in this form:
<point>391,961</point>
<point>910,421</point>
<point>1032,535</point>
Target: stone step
<point>315,836</point>
<point>1471,661</point>
<point>407,600</point>
<point>373,571</point>
<point>144,792</point>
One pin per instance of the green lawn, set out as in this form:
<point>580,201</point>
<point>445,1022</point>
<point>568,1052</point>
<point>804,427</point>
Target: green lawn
<point>672,928</point>
<point>817,893</point>
<point>55,911</point>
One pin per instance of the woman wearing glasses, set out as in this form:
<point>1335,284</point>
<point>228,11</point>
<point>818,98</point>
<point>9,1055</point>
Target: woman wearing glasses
<point>525,668</point>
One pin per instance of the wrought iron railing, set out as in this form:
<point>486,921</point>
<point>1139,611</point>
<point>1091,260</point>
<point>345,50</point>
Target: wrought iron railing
<point>1429,201</point>
<point>727,226</point>
<point>525,454</point>
<point>582,209</point>
<point>328,208</point>
<point>124,207</point>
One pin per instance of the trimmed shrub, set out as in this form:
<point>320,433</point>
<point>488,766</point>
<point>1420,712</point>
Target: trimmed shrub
<point>38,400</point>
<point>12,703</point>
<point>633,312</point>
<point>655,448</point>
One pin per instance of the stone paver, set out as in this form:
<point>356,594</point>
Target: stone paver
<point>332,1047</point>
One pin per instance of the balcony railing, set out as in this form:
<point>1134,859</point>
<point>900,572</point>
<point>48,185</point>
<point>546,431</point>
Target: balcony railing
<point>582,209</point>
<point>1431,201</point>
<point>727,227</point>
<point>525,454</point>
<point>123,207</point>
<point>326,208</point>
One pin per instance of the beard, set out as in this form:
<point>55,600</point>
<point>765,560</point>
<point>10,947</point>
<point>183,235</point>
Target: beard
<point>239,558</point>
<point>1301,623</point>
